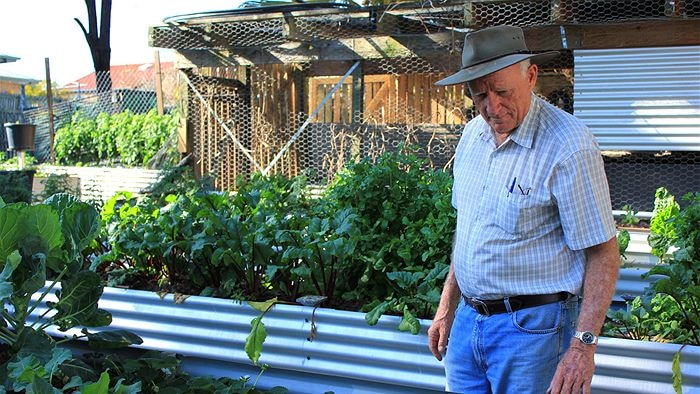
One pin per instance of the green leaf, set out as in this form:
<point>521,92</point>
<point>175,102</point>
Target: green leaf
<point>6,285</point>
<point>41,386</point>
<point>43,221</point>
<point>10,230</point>
<point>372,317</point>
<point>24,371</point>
<point>58,357</point>
<point>263,306</point>
<point>113,339</point>
<point>99,387</point>
<point>676,368</point>
<point>405,279</point>
<point>121,388</point>
<point>623,241</point>
<point>409,322</point>
<point>77,303</point>
<point>79,371</point>
<point>255,340</point>
<point>80,223</point>
<point>36,344</point>
<point>438,272</point>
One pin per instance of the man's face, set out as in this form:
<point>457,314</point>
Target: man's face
<point>503,97</point>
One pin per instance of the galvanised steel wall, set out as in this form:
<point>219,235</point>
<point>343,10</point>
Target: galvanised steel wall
<point>102,183</point>
<point>346,355</point>
<point>638,261</point>
<point>640,99</point>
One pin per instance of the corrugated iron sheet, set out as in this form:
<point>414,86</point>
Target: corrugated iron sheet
<point>639,260</point>
<point>346,355</point>
<point>101,183</point>
<point>640,99</point>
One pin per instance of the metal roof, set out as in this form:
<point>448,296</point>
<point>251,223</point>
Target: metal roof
<point>7,58</point>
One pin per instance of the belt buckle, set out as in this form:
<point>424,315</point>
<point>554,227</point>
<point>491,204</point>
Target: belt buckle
<point>480,307</point>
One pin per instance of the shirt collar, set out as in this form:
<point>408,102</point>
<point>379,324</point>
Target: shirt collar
<point>524,135</point>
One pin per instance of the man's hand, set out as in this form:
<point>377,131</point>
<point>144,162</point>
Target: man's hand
<point>438,334</point>
<point>575,370</point>
<point>439,331</point>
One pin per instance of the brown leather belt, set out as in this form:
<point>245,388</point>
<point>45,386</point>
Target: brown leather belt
<point>492,307</point>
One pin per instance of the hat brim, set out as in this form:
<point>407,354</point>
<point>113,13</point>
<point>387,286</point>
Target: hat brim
<point>486,68</point>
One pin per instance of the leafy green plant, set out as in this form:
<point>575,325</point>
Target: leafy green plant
<point>40,242</point>
<point>125,138</point>
<point>57,183</point>
<point>202,242</point>
<point>623,235</point>
<point>661,231</point>
<point>271,239</point>
<point>623,242</point>
<point>645,318</point>
<point>405,219</point>
<point>415,291</point>
<point>16,186</point>
<point>630,218</point>
<point>680,277</point>
<point>670,308</point>
<point>151,372</point>
<point>318,252</point>
<point>13,162</point>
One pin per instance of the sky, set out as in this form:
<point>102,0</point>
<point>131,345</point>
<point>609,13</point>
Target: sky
<point>33,30</point>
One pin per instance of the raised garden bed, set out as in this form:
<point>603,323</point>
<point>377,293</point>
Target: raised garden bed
<point>345,355</point>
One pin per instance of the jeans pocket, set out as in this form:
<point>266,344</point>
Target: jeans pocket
<point>543,319</point>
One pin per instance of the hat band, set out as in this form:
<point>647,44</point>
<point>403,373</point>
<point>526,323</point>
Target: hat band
<point>495,57</point>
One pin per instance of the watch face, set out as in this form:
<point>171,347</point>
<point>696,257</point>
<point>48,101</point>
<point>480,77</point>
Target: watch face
<point>587,338</point>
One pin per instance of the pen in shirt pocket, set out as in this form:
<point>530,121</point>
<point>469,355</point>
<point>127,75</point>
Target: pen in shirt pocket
<point>512,186</point>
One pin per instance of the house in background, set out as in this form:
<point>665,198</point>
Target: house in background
<point>134,86</point>
<point>13,99</point>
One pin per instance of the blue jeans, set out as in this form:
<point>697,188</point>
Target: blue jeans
<point>514,352</point>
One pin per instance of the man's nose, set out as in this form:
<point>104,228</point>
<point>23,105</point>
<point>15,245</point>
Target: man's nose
<point>493,104</point>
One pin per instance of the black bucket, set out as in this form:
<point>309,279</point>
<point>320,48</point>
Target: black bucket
<point>20,136</point>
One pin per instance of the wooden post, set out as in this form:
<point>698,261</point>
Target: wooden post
<point>358,94</point>
<point>49,100</point>
<point>159,84</point>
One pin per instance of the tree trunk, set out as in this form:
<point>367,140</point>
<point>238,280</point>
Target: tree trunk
<point>99,42</point>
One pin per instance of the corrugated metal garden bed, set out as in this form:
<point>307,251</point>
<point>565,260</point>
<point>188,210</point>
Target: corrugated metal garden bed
<point>345,355</point>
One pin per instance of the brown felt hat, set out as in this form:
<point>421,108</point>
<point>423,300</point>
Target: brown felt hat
<point>491,49</point>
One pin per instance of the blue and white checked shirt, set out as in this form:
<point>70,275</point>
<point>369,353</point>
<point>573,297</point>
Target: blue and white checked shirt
<point>527,209</point>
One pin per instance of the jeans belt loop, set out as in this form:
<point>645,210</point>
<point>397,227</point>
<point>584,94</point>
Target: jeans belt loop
<point>506,301</point>
<point>481,307</point>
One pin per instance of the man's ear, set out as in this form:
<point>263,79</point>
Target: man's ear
<point>532,75</point>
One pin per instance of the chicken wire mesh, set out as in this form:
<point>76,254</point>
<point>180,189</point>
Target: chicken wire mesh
<point>241,118</point>
<point>332,21</point>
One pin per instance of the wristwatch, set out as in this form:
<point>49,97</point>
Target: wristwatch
<point>586,337</point>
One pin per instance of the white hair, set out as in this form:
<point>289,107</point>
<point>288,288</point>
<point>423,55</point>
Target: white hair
<point>524,65</point>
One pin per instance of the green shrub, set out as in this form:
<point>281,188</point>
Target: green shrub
<point>379,236</point>
<point>16,186</point>
<point>670,308</point>
<point>125,138</point>
<point>406,222</point>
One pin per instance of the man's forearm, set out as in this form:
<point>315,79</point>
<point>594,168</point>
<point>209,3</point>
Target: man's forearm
<point>602,269</point>
<point>449,299</point>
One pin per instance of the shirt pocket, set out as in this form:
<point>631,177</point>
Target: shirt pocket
<point>520,214</point>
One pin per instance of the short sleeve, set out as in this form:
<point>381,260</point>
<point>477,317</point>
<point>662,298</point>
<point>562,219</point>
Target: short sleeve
<point>580,188</point>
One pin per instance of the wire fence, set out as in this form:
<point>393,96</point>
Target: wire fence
<point>138,88</point>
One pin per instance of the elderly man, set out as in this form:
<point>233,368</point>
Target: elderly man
<point>535,257</point>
